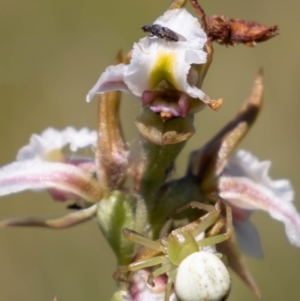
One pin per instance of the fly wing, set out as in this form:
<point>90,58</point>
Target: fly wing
<point>180,37</point>
<point>172,35</point>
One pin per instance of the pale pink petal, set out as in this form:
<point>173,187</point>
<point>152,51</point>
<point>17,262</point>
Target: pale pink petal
<point>245,184</point>
<point>248,239</point>
<point>246,233</point>
<point>247,194</point>
<point>244,164</point>
<point>35,175</point>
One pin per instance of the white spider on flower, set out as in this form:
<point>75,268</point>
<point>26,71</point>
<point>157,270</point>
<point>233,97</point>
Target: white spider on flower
<point>187,256</point>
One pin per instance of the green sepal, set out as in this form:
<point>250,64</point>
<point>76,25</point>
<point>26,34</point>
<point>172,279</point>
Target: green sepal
<point>120,210</point>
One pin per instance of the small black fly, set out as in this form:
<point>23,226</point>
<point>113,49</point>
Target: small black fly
<point>162,32</point>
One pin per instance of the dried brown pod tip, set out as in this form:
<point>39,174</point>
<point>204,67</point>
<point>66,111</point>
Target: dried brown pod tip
<point>234,31</point>
<point>229,31</point>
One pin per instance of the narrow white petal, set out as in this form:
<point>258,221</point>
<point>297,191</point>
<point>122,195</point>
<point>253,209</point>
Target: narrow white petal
<point>244,193</point>
<point>35,175</point>
<point>52,139</point>
<point>247,184</point>
<point>111,79</point>
<point>244,164</point>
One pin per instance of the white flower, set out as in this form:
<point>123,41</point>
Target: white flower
<point>42,165</point>
<point>163,73</point>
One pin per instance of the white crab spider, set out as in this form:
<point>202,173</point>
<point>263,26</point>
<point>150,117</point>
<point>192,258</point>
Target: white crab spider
<point>197,275</point>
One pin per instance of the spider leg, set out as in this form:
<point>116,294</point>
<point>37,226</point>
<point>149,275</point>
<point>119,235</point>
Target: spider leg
<point>200,206</point>
<point>134,266</point>
<point>171,278</point>
<point>159,271</point>
<point>201,224</point>
<point>212,236</point>
<point>142,240</point>
<point>217,227</point>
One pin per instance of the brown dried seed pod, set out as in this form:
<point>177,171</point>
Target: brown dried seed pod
<point>229,31</point>
<point>233,31</point>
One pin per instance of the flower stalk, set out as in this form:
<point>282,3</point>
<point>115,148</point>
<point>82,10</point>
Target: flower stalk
<point>112,151</point>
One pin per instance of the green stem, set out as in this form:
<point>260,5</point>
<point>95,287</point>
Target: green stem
<point>159,161</point>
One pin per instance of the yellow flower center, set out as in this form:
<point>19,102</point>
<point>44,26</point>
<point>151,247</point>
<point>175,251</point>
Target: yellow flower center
<point>163,69</point>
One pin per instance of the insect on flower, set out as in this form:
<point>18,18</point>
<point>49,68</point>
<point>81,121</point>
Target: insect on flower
<point>163,32</point>
<point>187,256</point>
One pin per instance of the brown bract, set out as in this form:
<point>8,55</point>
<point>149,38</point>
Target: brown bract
<point>234,31</point>
<point>229,31</point>
<point>111,154</point>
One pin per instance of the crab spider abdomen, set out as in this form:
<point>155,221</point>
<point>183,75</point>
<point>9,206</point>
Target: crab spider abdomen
<point>202,276</point>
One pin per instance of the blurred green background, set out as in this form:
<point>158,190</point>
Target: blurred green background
<point>52,52</point>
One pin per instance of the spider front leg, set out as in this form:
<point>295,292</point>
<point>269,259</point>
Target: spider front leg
<point>211,219</point>
<point>213,237</point>
<point>137,265</point>
<point>146,257</point>
<point>201,224</point>
<point>143,240</point>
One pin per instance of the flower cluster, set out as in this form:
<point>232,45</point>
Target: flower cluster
<point>128,189</point>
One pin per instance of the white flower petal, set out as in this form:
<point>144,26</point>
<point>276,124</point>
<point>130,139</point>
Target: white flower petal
<point>35,175</point>
<point>244,164</point>
<point>173,59</point>
<point>246,184</point>
<point>155,60</point>
<point>52,139</point>
<point>111,79</point>
<point>182,22</point>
